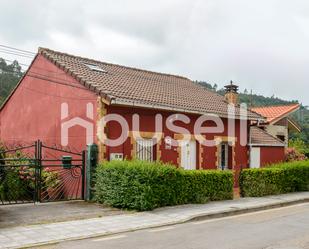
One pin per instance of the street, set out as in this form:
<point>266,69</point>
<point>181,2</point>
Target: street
<point>286,227</point>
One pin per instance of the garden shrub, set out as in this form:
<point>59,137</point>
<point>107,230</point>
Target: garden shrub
<point>276,179</point>
<point>292,154</point>
<point>12,187</point>
<point>16,181</point>
<point>144,185</point>
<point>300,146</point>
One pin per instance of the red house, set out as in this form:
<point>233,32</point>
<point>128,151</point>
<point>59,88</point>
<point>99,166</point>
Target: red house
<point>130,113</point>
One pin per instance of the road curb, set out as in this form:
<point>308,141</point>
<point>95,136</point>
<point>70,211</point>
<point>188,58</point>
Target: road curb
<point>246,210</point>
<point>197,217</point>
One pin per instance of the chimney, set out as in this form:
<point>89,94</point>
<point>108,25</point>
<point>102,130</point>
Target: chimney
<point>231,93</point>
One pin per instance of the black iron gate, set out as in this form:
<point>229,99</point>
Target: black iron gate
<point>41,173</point>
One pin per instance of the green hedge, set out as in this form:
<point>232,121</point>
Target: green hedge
<point>143,185</point>
<point>277,179</point>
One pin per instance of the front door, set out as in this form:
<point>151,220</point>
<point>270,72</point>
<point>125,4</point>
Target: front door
<point>255,156</point>
<point>188,154</point>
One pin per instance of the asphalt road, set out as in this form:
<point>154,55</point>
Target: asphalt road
<point>286,227</point>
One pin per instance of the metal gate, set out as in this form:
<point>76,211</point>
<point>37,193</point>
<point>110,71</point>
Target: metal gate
<point>41,173</point>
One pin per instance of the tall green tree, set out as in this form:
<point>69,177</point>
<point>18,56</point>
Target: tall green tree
<point>10,74</point>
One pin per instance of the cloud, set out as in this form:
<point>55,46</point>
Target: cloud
<point>261,45</point>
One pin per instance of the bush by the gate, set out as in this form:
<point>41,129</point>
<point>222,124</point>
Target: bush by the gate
<point>277,179</point>
<point>144,185</point>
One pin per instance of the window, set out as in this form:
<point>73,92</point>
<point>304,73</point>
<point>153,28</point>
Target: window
<point>223,156</point>
<point>281,137</point>
<point>145,149</point>
<point>95,68</point>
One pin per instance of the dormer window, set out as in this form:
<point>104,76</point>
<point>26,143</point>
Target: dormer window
<point>94,67</point>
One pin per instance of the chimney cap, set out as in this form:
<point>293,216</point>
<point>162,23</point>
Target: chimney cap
<point>231,87</point>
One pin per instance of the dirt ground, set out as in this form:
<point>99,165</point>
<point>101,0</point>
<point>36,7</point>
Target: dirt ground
<point>30,214</point>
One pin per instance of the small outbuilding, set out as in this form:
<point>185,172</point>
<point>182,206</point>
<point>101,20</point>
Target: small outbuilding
<point>264,148</point>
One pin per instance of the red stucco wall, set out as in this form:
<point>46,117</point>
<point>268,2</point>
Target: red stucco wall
<point>271,155</point>
<point>34,110</point>
<point>147,124</point>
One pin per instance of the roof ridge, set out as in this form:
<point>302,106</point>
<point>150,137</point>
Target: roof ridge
<point>42,49</point>
<point>269,106</point>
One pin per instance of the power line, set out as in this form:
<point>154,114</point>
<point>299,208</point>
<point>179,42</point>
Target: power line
<point>26,65</point>
<point>16,53</point>
<point>54,81</point>
<point>42,75</point>
<point>24,53</point>
<point>35,67</point>
<point>55,95</point>
<point>17,49</point>
<point>129,74</point>
<point>45,77</point>
<point>52,77</point>
<point>9,72</point>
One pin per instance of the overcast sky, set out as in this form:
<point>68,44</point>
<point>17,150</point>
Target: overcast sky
<point>262,45</point>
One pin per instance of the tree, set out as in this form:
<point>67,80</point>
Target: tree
<point>10,74</point>
<point>215,87</point>
<point>299,145</point>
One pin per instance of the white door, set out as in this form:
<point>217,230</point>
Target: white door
<point>255,156</point>
<point>188,155</point>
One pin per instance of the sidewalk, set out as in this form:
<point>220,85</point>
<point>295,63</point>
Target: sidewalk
<point>23,236</point>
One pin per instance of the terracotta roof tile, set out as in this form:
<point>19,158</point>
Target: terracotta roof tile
<point>274,113</point>
<point>123,84</point>
<point>260,137</point>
